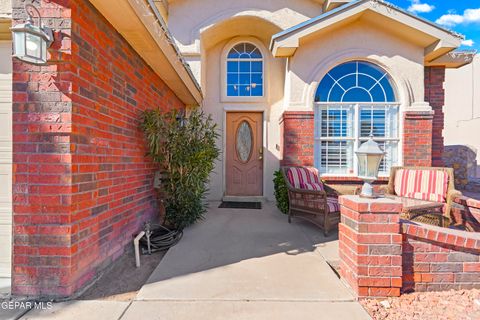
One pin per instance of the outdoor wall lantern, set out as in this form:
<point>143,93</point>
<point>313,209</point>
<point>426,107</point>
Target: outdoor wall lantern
<point>30,42</point>
<point>369,157</point>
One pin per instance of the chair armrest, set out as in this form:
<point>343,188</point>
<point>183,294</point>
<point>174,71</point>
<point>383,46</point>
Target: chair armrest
<point>320,193</point>
<point>383,189</point>
<point>452,195</point>
<point>330,191</point>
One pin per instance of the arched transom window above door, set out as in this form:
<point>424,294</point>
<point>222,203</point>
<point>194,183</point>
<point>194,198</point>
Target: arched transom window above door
<point>244,71</point>
<point>353,100</point>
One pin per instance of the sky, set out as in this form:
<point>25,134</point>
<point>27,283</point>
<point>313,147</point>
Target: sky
<point>462,16</point>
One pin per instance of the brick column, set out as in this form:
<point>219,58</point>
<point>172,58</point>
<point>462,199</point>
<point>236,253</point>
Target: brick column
<point>435,96</point>
<point>417,138</point>
<point>42,171</point>
<point>370,246</point>
<point>297,130</point>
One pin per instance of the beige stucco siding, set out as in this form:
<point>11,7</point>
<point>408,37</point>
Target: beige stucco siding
<point>205,30</point>
<point>315,58</point>
<point>462,106</point>
<point>271,106</point>
<point>5,8</point>
<point>187,18</point>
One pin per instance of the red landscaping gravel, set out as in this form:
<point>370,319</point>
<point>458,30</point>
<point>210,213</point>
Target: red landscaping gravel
<point>447,305</point>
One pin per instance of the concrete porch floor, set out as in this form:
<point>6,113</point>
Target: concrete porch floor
<point>248,264</point>
<point>240,264</point>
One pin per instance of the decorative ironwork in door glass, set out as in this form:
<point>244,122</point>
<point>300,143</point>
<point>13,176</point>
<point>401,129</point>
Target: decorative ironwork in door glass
<point>244,143</point>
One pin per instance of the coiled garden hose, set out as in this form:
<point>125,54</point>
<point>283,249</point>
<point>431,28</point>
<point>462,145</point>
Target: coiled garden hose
<point>159,238</point>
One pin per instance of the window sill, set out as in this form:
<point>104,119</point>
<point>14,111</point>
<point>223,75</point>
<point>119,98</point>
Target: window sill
<point>243,99</point>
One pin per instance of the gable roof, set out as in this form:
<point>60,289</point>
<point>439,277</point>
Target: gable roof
<point>436,40</point>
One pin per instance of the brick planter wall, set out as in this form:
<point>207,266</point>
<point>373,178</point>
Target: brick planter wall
<point>436,259</point>
<point>382,256</point>
<point>370,246</point>
<point>466,212</point>
<point>82,185</point>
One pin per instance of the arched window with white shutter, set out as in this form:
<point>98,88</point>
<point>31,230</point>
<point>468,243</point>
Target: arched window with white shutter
<point>353,100</point>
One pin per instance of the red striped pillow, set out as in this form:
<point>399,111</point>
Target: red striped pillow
<point>411,181</point>
<point>301,175</point>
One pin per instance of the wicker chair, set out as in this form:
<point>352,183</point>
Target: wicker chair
<point>424,214</point>
<point>311,200</point>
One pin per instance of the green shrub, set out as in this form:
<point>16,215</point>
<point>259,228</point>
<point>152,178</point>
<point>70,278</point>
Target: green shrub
<point>281,192</point>
<point>186,151</point>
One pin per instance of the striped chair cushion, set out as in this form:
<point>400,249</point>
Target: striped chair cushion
<point>312,186</point>
<point>333,205</point>
<point>426,196</point>
<point>303,175</point>
<point>422,184</point>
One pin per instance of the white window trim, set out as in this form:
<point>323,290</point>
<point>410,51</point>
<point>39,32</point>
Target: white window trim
<point>356,134</point>
<point>223,72</point>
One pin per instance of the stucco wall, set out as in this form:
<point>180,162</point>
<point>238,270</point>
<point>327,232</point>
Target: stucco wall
<point>359,40</point>
<point>5,8</point>
<point>205,29</point>
<point>271,106</point>
<point>187,18</point>
<point>462,106</point>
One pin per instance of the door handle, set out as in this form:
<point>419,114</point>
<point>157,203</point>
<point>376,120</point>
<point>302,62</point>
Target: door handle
<point>260,151</point>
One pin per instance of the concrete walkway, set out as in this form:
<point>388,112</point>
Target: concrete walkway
<point>238,264</point>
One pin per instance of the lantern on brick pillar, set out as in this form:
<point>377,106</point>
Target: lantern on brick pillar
<point>369,157</point>
<point>30,42</point>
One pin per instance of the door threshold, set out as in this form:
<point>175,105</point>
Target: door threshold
<point>243,199</point>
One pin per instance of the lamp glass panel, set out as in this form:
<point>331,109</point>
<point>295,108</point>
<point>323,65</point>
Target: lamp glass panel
<point>373,165</point>
<point>33,45</point>
<point>362,164</point>
<point>19,48</point>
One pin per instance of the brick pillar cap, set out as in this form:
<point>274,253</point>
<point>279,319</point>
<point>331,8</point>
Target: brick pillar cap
<point>365,205</point>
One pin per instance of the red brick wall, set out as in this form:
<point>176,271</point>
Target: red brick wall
<point>82,186</point>
<point>298,138</point>
<point>436,259</point>
<point>422,136</point>
<point>417,138</point>
<point>435,95</point>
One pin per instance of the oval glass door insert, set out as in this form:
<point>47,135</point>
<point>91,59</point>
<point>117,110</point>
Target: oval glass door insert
<point>244,143</point>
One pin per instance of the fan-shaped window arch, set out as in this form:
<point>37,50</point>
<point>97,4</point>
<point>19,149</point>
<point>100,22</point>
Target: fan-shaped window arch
<point>352,101</point>
<point>244,71</point>
<point>356,81</point>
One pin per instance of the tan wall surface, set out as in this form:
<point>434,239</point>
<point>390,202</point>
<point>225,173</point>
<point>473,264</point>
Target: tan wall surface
<point>5,8</point>
<point>462,106</point>
<point>314,59</point>
<point>205,30</point>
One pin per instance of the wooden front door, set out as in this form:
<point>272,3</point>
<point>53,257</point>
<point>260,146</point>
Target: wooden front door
<point>244,154</point>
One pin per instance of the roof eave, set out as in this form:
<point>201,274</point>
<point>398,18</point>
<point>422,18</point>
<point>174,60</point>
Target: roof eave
<point>144,32</point>
<point>453,60</point>
<point>288,40</point>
